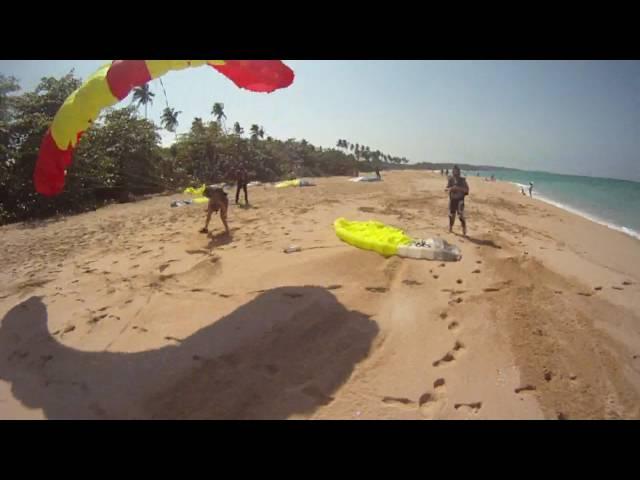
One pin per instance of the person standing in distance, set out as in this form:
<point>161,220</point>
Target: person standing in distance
<point>458,189</point>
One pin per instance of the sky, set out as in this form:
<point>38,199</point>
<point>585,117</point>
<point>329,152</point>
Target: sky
<point>574,117</point>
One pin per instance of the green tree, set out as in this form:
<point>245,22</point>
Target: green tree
<point>169,119</point>
<point>255,131</point>
<point>218,112</point>
<point>7,85</point>
<point>143,96</point>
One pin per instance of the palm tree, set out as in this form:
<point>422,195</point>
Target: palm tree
<point>237,129</point>
<point>143,96</point>
<point>255,131</point>
<point>218,112</point>
<point>169,119</point>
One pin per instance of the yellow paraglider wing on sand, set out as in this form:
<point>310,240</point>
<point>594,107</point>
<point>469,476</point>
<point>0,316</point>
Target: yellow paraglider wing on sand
<point>197,192</point>
<point>371,235</point>
<point>289,183</point>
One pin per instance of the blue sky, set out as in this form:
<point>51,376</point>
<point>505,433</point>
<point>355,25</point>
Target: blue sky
<point>578,117</point>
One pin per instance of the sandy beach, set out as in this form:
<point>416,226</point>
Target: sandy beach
<point>129,313</point>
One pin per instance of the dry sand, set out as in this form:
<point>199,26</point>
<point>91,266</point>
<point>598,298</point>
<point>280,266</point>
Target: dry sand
<point>129,312</point>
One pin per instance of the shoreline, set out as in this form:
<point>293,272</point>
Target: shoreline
<point>619,228</point>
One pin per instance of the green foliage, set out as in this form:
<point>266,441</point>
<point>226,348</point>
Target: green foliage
<point>120,155</point>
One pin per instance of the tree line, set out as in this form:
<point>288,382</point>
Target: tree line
<point>121,157</point>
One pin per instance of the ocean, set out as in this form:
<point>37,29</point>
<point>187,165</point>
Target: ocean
<point>610,202</point>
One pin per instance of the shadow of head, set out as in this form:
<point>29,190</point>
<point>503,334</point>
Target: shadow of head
<point>25,322</point>
<point>286,352</point>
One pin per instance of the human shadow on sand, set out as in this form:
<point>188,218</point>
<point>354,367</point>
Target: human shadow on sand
<point>286,352</point>
<point>480,242</point>
<point>220,239</point>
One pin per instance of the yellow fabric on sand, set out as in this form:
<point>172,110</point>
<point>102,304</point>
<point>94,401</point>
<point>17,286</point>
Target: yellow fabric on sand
<point>198,192</point>
<point>289,183</point>
<point>371,235</point>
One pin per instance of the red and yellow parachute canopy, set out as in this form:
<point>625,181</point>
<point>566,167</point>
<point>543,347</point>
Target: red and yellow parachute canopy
<point>112,83</point>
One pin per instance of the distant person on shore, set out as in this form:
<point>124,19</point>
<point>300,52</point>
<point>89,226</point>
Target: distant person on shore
<point>458,189</point>
<point>242,180</point>
<point>218,201</point>
<point>378,173</point>
<point>447,172</point>
<point>531,189</point>
<point>522,189</point>
<point>442,171</point>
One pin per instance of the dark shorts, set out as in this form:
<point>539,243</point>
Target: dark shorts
<point>456,206</point>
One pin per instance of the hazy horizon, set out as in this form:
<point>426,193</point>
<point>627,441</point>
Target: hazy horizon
<point>568,117</point>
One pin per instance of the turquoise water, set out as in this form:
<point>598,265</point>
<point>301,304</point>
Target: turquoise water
<point>614,203</point>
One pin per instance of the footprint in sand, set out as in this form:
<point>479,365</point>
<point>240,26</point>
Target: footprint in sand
<point>473,407</point>
<point>428,401</point>
<point>526,388</point>
<point>476,271</point>
<point>399,401</point>
<point>597,288</point>
<point>439,385</point>
<point>96,319</point>
<point>627,283</point>
<point>449,356</point>
<point>376,289</point>
<point>453,326</point>
<point>585,294</point>
<point>490,289</point>
<point>446,359</point>
<point>617,288</point>
<point>334,287</point>
<point>411,282</point>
